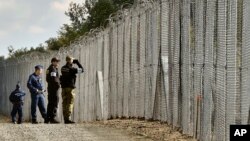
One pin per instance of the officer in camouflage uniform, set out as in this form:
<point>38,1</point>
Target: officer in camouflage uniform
<point>52,78</point>
<point>68,79</point>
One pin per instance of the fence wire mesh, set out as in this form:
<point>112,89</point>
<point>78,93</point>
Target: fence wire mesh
<point>184,62</point>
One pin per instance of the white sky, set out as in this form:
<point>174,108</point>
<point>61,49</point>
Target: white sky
<point>26,23</point>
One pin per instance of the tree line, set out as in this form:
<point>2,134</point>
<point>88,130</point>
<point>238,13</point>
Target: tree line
<point>83,17</point>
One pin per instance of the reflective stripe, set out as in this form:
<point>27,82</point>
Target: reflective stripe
<point>53,74</point>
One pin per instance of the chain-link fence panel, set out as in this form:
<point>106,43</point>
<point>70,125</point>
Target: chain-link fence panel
<point>207,99</point>
<point>231,66</point>
<point>142,61</point>
<point>185,65</point>
<point>126,75</point>
<point>221,71</point>
<point>164,57</point>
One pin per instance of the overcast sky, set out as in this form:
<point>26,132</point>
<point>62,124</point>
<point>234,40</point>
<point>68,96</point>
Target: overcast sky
<point>26,23</point>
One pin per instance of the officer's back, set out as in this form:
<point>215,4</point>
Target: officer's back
<point>17,96</point>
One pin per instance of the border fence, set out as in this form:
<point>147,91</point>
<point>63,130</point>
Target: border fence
<point>184,62</point>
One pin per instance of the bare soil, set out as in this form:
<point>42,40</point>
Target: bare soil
<point>154,130</point>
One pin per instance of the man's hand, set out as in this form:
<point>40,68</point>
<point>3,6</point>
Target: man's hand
<point>75,61</point>
<point>80,70</point>
<point>41,91</point>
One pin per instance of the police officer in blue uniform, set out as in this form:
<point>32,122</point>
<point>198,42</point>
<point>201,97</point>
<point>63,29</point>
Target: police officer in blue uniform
<point>37,91</point>
<point>17,99</point>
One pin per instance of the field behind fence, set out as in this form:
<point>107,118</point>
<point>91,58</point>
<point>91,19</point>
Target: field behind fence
<point>184,62</point>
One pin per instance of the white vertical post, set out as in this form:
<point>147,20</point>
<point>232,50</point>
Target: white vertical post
<point>100,82</point>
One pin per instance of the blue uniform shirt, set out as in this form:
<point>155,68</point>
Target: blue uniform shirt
<point>35,83</point>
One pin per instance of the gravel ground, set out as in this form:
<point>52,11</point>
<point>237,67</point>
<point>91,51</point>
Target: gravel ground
<point>111,130</point>
<point>61,132</point>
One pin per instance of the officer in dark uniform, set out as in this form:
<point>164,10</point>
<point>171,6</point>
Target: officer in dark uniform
<point>68,80</point>
<point>17,99</point>
<point>37,91</point>
<point>52,78</point>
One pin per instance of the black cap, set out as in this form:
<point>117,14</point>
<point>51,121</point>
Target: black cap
<point>38,67</point>
<point>18,85</point>
<point>55,59</point>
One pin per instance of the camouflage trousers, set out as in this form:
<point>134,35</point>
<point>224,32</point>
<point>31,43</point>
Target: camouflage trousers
<point>68,95</point>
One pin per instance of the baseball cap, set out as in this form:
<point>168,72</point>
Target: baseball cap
<point>55,59</point>
<point>38,67</point>
<point>18,85</point>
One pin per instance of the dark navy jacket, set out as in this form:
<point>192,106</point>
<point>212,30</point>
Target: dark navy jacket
<point>17,96</point>
<point>34,83</point>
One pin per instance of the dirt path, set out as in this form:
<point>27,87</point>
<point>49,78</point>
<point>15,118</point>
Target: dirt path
<point>154,130</point>
<point>111,130</point>
<point>61,132</point>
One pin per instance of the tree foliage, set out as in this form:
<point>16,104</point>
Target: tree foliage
<point>119,3</point>
<point>83,17</point>
<point>100,13</point>
<point>23,51</point>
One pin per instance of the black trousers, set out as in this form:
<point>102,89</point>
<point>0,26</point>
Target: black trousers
<point>53,100</point>
<point>17,108</point>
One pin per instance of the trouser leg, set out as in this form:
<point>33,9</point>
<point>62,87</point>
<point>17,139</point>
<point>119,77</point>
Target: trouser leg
<point>68,102</point>
<point>41,106</point>
<point>53,100</point>
<point>13,113</point>
<point>34,102</point>
<point>20,113</point>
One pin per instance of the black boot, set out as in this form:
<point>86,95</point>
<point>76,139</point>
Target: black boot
<point>34,121</point>
<point>54,121</point>
<point>19,122</point>
<point>46,120</point>
<point>67,121</point>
